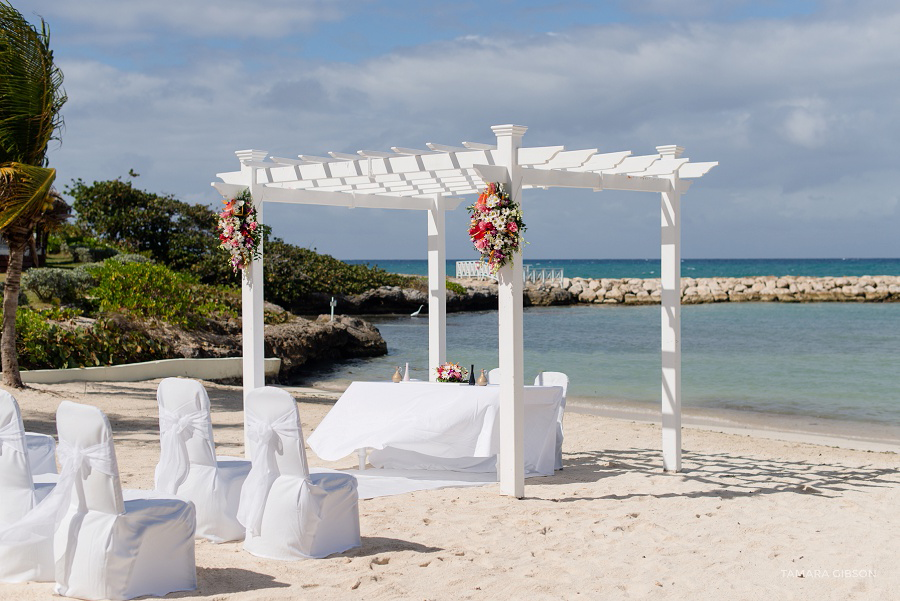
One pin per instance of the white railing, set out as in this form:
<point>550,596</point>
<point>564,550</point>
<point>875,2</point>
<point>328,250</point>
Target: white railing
<point>474,269</point>
<point>480,271</point>
<point>544,275</point>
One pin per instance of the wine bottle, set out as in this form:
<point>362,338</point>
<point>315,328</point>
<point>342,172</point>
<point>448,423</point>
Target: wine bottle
<point>472,376</point>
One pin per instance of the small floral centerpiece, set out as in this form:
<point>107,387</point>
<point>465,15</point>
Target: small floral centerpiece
<point>240,233</point>
<point>451,372</point>
<point>496,226</point>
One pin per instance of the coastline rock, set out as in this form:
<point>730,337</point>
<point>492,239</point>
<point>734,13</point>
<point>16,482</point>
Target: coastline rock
<point>296,341</point>
<point>300,341</point>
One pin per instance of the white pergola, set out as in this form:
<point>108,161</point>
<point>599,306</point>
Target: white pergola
<point>434,181</point>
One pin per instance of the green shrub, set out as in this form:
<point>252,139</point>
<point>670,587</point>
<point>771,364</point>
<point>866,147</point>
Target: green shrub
<point>130,258</point>
<point>457,288</point>
<point>88,254</point>
<point>291,273</point>
<point>45,341</point>
<point>54,244</point>
<point>49,283</point>
<point>151,291</point>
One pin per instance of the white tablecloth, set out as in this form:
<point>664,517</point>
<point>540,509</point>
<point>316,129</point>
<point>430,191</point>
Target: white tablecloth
<point>425,425</point>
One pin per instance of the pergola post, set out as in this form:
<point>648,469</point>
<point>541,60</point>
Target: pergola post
<point>437,286</point>
<point>511,459</point>
<point>252,324</point>
<point>670,279</point>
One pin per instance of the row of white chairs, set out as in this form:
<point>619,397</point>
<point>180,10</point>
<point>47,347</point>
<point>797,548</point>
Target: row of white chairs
<point>546,378</point>
<point>97,541</point>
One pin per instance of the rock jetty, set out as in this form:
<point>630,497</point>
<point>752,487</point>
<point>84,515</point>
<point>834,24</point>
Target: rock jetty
<point>789,289</point>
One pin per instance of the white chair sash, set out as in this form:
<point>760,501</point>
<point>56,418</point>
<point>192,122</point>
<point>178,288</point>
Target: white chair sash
<point>11,437</point>
<point>263,436</point>
<point>175,430</point>
<point>41,521</point>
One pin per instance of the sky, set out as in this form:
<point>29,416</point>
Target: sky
<point>798,101</point>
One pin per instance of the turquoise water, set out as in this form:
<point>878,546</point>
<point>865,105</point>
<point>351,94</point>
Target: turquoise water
<point>649,268</point>
<point>830,360</point>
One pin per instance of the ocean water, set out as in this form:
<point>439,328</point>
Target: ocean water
<point>827,360</point>
<point>700,268</point>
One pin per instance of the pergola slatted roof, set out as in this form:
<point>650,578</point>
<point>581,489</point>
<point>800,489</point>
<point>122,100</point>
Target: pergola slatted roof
<point>457,171</point>
<point>434,181</point>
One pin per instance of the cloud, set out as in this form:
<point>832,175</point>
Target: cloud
<point>239,18</point>
<point>798,111</point>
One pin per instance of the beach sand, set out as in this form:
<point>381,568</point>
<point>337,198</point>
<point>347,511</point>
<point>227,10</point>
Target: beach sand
<point>748,517</point>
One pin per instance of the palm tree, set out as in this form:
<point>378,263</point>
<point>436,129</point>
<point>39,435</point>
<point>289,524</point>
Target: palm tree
<point>31,97</point>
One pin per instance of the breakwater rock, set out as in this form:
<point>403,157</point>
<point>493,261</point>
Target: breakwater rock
<point>792,289</point>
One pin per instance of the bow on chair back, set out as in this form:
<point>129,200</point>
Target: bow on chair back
<point>185,431</point>
<point>88,459</point>
<point>276,448</point>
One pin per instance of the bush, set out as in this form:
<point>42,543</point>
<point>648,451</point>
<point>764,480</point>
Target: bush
<point>151,291</point>
<point>49,283</point>
<point>54,244</point>
<point>45,341</point>
<point>291,273</point>
<point>130,258</point>
<point>87,254</point>
<point>457,288</point>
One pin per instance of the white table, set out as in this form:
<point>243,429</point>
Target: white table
<point>425,425</point>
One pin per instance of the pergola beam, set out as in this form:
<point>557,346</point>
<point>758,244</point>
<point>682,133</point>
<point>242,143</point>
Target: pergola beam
<point>546,178</point>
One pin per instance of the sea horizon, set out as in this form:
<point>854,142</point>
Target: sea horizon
<point>649,268</point>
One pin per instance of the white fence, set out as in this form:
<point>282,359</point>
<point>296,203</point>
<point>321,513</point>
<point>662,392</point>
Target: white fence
<point>481,271</point>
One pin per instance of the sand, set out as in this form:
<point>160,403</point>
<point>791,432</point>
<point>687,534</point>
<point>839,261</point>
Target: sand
<point>748,518</point>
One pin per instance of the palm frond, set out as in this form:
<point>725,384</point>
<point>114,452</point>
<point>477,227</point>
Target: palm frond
<point>24,190</point>
<point>31,93</point>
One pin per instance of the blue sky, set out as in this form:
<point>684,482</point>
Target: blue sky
<point>796,100</point>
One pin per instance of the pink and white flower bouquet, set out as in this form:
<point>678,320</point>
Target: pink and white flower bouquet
<point>496,226</point>
<point>240,233</point>
<point>451,372</point>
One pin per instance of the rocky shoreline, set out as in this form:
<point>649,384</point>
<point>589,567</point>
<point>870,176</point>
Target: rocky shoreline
<point>297,341</point>
<point>481,295</point>
<point>792,289</point>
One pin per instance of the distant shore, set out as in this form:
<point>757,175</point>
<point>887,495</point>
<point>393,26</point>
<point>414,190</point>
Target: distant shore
<point>794,289</point>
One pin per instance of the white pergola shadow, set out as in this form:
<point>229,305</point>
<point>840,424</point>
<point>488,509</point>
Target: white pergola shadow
<point>434,180</point>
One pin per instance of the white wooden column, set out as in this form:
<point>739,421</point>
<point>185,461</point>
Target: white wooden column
<point>437,286</point>
<point>511,460</point>
<point>252,294</point>
<point>670,278</point>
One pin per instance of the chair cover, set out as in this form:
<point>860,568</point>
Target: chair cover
<point>188,466</point>
<point>494,376</point>
<point>41,450</point>
<point>288,512</point>
<point>107,547</point>
<point>101,545</point>
<point>556,378</point>
<point>22,558</point>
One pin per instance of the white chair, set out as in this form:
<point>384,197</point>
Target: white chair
<point>556,378</point>
<point>41,450</point>
<point>288,512</point>
<point>23,557</point>
<point>108,546</point>
<point>494,376</point>
<point>188,466</point>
